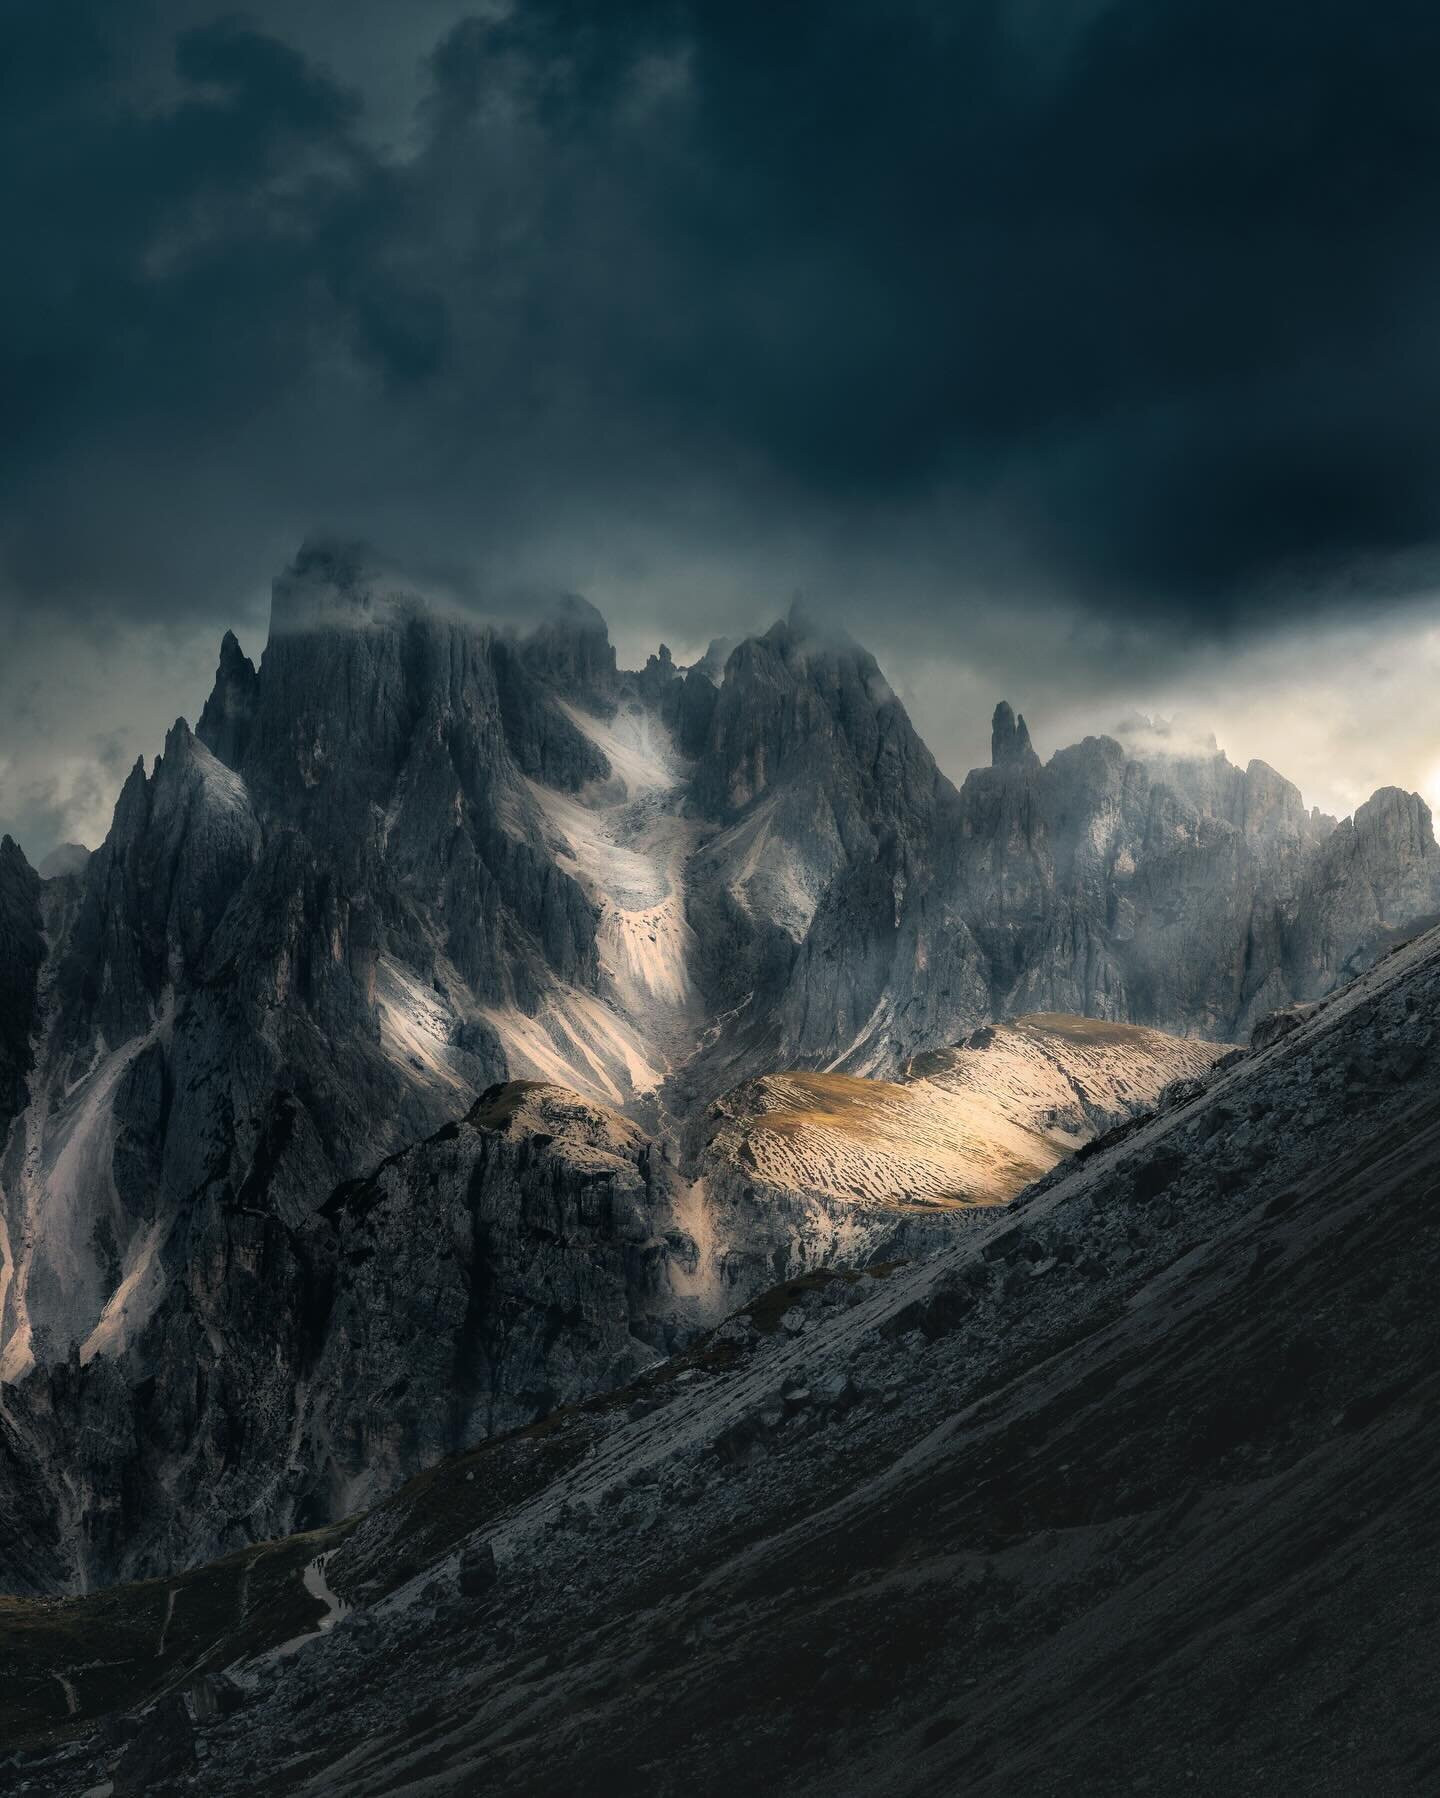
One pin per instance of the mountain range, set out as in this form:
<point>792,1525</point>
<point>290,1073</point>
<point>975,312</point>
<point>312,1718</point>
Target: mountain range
<point>453,1025</point>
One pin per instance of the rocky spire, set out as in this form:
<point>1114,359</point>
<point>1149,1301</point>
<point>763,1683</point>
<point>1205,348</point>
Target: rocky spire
<point>657,674</point>
<point>63,859</point>
<point>1010,740</point>
<point>569,648</point>
<point>224,725</point>
<point>712,663</point>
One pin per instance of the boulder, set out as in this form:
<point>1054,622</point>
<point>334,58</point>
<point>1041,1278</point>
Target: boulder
<point>1180,1092</point>
<point>162,1750</point>
<point>1277,1025</point>
<point>478,1572</point>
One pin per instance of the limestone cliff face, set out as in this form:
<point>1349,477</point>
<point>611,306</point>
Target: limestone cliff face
<point>283,964</point>
<point>1374,875</point>
<point>537,1250</point>
<point>532,1252</point>
<point>22,950</point>
<point>1182,893</point>
<point>279,962</point>
<point>831,815</point>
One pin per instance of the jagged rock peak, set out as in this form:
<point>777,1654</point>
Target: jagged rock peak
<point>179,743</point>
<point>224,726</point>
<point>333,583</point>
<point>132,808</point>
<point>1010,739</point>
<point>570,647</point>
<point>802,627</point>
<point>64,858</point>
<point>1396,805</point>
<point>712,664</point>
<point>657,674</point>
<point>800,620</point>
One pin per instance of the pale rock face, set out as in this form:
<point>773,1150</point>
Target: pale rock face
<point>22,950</point>
<point>1376,873</point>
<point>412,855</point>
<point>1186,894</point>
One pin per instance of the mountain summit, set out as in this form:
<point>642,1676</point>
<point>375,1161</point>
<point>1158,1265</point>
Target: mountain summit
<point>1010,739</point>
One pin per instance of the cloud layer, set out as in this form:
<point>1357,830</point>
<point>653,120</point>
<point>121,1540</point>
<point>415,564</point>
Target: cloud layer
<point>1107,326</point>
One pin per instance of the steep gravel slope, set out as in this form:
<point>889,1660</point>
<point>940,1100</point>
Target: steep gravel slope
<point>970,1125</point>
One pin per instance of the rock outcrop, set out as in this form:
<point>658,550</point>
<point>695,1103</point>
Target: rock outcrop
<point>535,1251</point>
<point>539,1250</point>
<point>832,814</point>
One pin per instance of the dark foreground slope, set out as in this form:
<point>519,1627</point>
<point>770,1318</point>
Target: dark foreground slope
<point>1132,1490</point>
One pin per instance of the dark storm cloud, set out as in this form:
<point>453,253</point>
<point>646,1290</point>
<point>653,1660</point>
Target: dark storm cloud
<point>1128,304</point>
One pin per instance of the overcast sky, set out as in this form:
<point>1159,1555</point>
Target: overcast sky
<point>1082,353</point>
